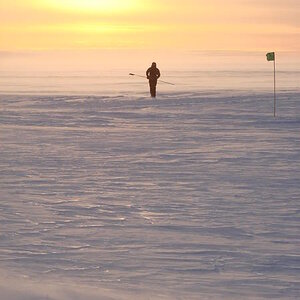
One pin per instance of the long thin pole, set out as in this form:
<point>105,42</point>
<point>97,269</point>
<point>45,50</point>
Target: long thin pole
<point>132,74</point>
<point>274,86</point>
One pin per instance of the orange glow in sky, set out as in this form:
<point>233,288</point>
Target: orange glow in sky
<point>91,5</point>
<point>149,24</point>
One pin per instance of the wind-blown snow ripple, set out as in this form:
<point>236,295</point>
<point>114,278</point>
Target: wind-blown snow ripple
<point>175,198</point>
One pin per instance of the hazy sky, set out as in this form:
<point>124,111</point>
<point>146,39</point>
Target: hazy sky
<point>160,24</point>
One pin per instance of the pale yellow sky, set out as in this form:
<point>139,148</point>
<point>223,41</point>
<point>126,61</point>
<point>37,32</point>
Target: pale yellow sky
<point>150,24</point>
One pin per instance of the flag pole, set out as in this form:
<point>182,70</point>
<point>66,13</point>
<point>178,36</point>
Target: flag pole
<point>274,85</point>
<point>271,56</point>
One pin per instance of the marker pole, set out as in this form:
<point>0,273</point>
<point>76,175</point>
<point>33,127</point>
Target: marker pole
<point>274,86</point>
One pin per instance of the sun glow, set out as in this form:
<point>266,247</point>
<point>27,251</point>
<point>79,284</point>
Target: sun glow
<point>93,5</point>
<point>189,24</point>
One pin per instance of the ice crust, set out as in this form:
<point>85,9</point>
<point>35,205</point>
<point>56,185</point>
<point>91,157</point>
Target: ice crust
<point>189,196</point>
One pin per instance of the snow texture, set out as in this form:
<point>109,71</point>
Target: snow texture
<point>189,196</point>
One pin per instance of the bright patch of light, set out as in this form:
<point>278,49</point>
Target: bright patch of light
<point>93,5</point>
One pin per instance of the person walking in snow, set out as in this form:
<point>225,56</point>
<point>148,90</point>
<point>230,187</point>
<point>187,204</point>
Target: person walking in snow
<point>153,74</point>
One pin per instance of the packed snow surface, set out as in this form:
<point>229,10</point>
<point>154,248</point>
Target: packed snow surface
<point>189,196</point>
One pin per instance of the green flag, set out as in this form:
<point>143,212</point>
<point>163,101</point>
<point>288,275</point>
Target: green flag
<point>271,56</point>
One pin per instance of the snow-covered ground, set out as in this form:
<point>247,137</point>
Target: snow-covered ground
<point>190,196</point>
